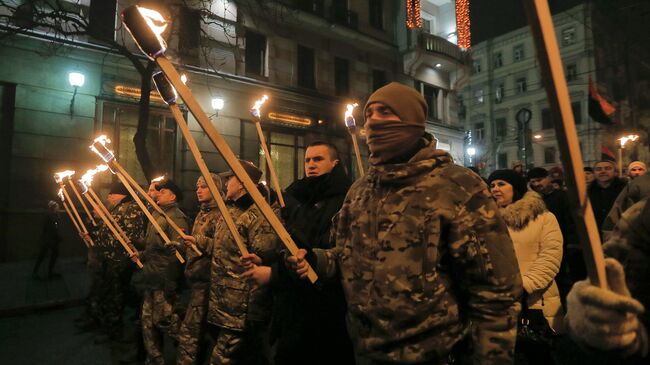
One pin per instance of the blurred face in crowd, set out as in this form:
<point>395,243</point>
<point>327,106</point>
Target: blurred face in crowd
<point>234,188</point>
<point>518,169</point>
<point>636,171</point>
<point>319,161</point>
<point>152,192</point>
<point>589,177</point>
<point>541,184</point>
<point>166,196</point>
<point>113,199</point>
<point>502,192</point>
<point>605,172</point>
<point>203,194</point>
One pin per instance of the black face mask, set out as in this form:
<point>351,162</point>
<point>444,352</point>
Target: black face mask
<point>390,138</point>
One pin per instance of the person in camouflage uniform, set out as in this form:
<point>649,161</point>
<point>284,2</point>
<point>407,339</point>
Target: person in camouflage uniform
<point>614,323</point>
<point>240,312</point>
<point>197,272</point>
<point>424,257</point>
<point>161,273</point>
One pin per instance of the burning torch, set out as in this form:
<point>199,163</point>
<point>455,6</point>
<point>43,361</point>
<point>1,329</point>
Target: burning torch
<point>352,129</point>
<point>623,140</point>
<point>168,93</point>
<point>104,214</point>
<point>255,111</point>
<point>99,147</point>
<point>72,218</point>
<point>145,29</point>
<point>59,178</point>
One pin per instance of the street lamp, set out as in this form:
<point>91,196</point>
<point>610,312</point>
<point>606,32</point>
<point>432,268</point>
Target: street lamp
<point>623,140</point>
<point>471,151</point>
<point>76,80</point>
<point>538,136</point>
<point>217,105</point>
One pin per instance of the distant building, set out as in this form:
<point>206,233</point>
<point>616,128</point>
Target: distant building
<point>506,79</point>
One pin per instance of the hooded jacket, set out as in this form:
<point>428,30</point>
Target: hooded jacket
<point>197,268</point>
<point>422,251</point>
<point>232,303</point>
<point>536,235</point>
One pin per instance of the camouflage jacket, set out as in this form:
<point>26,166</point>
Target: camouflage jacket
<point>162,270</point>
<point>231,301</point>
<point>425,258</point>
<point>197,268</point>
<point>131,219</point>
<point>629,243</point>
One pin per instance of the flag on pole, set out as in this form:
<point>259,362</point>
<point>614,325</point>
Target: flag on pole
<point>600,110</point>
<point>606,153</point>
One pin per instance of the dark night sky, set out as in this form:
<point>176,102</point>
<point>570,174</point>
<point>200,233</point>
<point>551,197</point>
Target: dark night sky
<point>490,18</point>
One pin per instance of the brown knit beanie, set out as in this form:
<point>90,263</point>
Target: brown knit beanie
<point>405,102</point>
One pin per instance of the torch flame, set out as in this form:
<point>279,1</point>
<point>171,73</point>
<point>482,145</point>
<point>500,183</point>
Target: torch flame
<point>87,178</point>
<point>631,137</point>
<point>349,119</point>
<point>106,155</point>
<point>184,79</point>
<point>60,194</point>
<point>150,16</point>
<point>59,176</point>
<point>255,110</point>
<point>159,178</point>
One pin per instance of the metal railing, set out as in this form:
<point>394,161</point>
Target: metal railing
<point>435,44</point>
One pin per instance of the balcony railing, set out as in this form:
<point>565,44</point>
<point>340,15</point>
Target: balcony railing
<point>435,44</point>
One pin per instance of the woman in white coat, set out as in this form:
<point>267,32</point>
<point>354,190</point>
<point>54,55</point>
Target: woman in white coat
<point>537,240</point>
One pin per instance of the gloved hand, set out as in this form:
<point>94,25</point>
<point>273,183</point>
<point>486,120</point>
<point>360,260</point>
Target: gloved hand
<point>604,319</point>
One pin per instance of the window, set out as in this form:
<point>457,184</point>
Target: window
<point>288,153</point>
<point>498,60</point>
<point>479,131</point>
<point>547,121</point>
<point>462,111</point>
<point>478,95</point>
<point>316,7</point>
<point>568,36</point>
<point>501,127</point>
<point>189,30</point>
<point>502,160</point>
<point>577,112</point>
<point>499,93</point>
<point>102,19</point>
<point>426,26</point>
<point>431,94</point>
<point>306,68</point>
<point>549,154</point>
<point>120,122</point>
<point>341,76</point>
<point>378,79</point>
<point>255,54</point>
<point>571,72</point>
<point>376,14</point>
<point>477,66</point>
<point>518,53</point>
<point>521,85</point>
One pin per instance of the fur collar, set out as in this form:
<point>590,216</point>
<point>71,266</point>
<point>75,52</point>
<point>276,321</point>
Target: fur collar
<point>518,214</point>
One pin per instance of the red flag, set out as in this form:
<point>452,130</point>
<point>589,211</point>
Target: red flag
<point>606,153</point>
<point>600,109</point>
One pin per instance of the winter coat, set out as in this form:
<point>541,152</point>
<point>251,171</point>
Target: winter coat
<point>131,220</point>
<point>602,199</point>
<point>635,191</point>
<point>232,303</point>
<point>162,270</point>
<point>422,251</point>
<point>538,245</point>
<point>197,268</point>
<point>629,243</point>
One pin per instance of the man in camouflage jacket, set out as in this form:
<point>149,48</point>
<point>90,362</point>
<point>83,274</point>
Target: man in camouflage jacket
<point>424,257</point>
<point>115,268</point>
<point>197,272</point>
<point>161,273</point>
<point>240,313</point>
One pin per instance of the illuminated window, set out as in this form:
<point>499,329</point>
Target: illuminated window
<point>518,53</point>
<point>498,60</point>
<point>568,36</point>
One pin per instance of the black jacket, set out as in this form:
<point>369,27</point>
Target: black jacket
<point>557,202</point>
<point>602,199</point>
<point>306,315</point>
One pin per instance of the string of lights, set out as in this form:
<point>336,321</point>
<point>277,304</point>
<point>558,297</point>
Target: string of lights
<point>463,24</point>
<point>413,17</point>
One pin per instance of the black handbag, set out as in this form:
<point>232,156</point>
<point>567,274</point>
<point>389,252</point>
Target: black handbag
<point>533,326</point>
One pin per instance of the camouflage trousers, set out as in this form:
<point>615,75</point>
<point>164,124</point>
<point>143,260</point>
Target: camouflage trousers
<point>193,327</point>
<point>115,278</point>
<point>157,318</point>
<point>241,347</point>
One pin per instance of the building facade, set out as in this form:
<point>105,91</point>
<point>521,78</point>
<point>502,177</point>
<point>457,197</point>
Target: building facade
<point>310,57</point>
<point>506,81</point>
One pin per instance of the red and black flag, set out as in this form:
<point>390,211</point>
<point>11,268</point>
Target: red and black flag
<point>600,109</point>
<point>606,154</point>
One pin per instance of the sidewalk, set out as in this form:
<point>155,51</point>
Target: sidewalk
<point>21,293</point>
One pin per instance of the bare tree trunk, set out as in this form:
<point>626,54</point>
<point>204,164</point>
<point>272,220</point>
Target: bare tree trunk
<point>140,137</point>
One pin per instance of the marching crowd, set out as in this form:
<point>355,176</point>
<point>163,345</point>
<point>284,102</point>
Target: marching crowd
<point>419,262</point>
